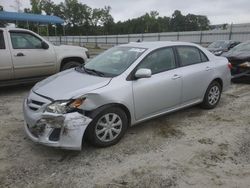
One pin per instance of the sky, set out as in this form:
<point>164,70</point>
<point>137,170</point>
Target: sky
<point>217,11</point>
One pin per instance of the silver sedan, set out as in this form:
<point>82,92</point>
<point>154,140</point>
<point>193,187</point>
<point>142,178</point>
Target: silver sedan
<point>121,87</point>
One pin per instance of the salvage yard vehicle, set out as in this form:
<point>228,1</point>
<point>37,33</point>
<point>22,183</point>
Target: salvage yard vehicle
<point>239,57</point>
<point>123,86</point>
<point>27,57</point>
<point>221,46</point>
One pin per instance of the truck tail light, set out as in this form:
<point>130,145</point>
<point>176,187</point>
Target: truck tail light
<point>229,65</point>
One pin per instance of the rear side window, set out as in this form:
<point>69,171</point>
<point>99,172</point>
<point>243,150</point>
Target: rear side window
<point>159,61</point>
<point>2,44</point>
<point>203,57</point>
<point>190,55</point>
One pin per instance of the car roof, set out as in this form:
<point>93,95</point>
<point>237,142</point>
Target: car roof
<point>225,41</point>
<point>158,44</point>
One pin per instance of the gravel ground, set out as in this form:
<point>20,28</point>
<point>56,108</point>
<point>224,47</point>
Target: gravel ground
<point>189,148</point>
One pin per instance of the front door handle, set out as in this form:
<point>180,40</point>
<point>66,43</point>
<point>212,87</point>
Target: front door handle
<point>19,54</point>
<point>176,76</point>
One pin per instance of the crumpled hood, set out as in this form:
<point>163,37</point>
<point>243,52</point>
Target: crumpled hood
<point>238,55</point>
<point>68,84</point>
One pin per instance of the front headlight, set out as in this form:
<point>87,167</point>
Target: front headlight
<point>246,65</point>
<point>63,107</point>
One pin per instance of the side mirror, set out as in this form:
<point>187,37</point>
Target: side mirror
<point>232,46</point>
<point>143,73</point>
<point>44,45</point>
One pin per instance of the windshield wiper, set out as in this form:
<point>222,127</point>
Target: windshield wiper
<point>90,71</point>
<point>93,71</point>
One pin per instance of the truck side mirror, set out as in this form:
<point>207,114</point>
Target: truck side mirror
<point>44,45</point>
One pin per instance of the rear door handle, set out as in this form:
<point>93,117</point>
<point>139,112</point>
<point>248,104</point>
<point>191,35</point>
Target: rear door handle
<point>208,68</point>
<point>19,54</point>
<point>176,76</point>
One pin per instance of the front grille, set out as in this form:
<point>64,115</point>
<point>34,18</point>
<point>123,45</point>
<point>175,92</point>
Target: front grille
<point>54,136</point>
<point>37,102</point>
<point>32,108</point>
<point>34,105</point>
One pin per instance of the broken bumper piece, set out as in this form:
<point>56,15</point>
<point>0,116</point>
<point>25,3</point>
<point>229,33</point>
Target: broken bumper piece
<point>57,130</point>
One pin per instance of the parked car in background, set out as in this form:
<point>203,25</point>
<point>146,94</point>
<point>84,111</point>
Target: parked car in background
<point>221,46</point>
<point>123,86</point>
<point>239,57</point>
<point>27,57</point>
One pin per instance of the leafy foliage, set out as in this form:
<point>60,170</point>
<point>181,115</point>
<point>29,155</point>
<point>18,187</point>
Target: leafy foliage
<point>2,23</point>
<point>80,19</point>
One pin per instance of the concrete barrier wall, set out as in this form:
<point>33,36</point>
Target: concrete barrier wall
<point>239,32</point>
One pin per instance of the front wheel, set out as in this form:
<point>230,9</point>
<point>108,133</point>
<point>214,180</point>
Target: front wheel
<point>107,127</point>
<point>212,96</point>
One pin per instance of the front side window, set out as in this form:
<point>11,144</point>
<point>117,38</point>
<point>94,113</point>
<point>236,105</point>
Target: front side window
<point>190,55</point>
<point>2,44</point>
<point>114,61</point>
<point>159,61</point>
<point>21,40</point>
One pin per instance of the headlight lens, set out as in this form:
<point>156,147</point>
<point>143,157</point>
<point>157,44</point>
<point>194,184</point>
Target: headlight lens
<point>246,64</point>
<point>63,107</point>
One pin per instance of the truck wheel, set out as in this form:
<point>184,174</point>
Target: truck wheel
<point>107,127</point>
<point>70,64</point>
<point>212,96</point>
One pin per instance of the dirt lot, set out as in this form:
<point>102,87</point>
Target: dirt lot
<point>190,148</point>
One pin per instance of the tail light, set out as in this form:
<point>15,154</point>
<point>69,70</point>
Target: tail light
<point>87,54</point>
<point>229,65</point>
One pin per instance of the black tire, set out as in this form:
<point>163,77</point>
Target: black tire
<point>91,131</point>
<point>70,64</point>
<point>209,101</point>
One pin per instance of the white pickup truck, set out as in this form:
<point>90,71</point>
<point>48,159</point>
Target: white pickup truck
<point>27,57</point>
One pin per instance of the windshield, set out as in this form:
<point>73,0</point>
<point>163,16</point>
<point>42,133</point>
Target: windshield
<point>219,44</point>
<point>241,47</point>
<point>113,61</point>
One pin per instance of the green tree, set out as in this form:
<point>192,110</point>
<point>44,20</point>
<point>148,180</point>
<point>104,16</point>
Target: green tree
<point>2,23</point>
<point>177,21</point>
<point>36,6</point>
<point>107,20</point>
<point>48,7</point>
<point>203,22</point>
<point>191,23</point>
<point>80,19</point>
<point>163,24</point>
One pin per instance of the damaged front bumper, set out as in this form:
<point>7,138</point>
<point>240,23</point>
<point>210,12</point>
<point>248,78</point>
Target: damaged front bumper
<point>57,130</point>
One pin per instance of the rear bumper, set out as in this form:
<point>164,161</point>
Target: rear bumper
<point>241,73</point>
<point>56,130</point>
<point>238,71</point>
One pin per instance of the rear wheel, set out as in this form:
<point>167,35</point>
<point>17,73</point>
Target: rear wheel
<point>107,127</point>
<point>212,96</point>
<point>70,64</point>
